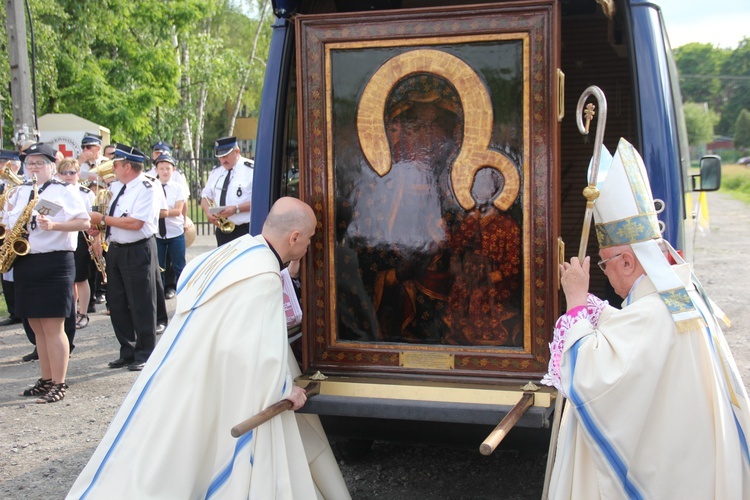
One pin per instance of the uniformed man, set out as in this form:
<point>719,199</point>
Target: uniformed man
<point>229,188</point>
<point>131,222</point>
<point>10,158</point>
<point>178,179</point>
<point>90,157</point>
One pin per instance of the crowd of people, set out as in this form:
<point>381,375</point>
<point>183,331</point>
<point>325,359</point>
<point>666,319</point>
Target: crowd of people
<point>121,244</point>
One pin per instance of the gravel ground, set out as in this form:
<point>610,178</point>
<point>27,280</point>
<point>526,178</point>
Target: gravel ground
<point>44,447</point>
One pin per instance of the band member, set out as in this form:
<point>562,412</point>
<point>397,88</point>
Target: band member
<point>9,158</point>
<point>50,212</point>
<point>131,222</point>
<point>229,188</point>
<point>68,171</point>
<point>170,240</point>
<point>90,157</point>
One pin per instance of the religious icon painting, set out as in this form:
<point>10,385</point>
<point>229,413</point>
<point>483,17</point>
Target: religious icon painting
<point>430,148</point>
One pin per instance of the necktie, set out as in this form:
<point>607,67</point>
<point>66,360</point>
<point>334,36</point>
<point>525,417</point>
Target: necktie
<point>223,197</point>
<point>112,208</point>
<point>163,220</point>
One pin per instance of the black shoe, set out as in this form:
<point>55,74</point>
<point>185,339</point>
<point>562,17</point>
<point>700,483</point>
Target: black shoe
<point>91,309</point>
<point>120,362</point>
<point>160,328</point>
<point>136,366</point>
<point>169,294</point>
<point>13,321</point>
<point>32,356</point>
<point>100,299</point>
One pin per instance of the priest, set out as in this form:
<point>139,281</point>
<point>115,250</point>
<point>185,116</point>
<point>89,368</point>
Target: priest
<point>656,407</point>
<point>223,359</point>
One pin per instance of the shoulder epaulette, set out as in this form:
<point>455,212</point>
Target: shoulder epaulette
<point>84,189</point>
<point>250,163</point>
<point>58,181</point>
<point>147,183</point>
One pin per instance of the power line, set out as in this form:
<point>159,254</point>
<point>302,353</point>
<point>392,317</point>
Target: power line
<point>718,77</point>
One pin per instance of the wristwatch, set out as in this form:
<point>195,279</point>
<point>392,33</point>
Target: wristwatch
<point>237,209</point>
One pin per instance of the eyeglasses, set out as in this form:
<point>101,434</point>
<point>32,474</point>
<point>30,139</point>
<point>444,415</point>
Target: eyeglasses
<point>36,164</point>
<point>68,172</point>
<point>603,263</point>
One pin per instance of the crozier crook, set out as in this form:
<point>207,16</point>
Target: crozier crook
<point>475,152</point>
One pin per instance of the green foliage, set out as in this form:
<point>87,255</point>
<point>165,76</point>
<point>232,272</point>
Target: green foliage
<point>697,60</point>
<point>699,122</point>
<point>742,130</point>
<point>736,181</point>
<point>737,91</point>
<point>121,63</point>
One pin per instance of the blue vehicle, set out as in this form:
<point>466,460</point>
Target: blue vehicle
<point>437,143</point>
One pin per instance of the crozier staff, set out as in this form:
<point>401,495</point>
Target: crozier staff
<point>657,408</point>
<point>44,277</point>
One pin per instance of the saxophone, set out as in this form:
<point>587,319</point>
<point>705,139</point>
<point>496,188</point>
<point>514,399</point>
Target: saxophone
<point>12,182</point>
<point>16,241</point>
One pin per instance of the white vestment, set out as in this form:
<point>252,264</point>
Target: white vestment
<point>222,360</point>
<point>652,413</point>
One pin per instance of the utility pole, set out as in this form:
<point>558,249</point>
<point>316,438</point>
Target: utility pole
<point>20,77</point>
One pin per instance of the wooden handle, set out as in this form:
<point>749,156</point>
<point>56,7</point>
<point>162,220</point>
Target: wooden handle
<point>251,423</point>
<point>502,429</point>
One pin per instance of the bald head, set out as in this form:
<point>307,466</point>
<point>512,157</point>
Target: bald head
<point>289,226</point>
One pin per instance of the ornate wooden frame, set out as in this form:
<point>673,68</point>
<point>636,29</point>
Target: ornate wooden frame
<point>534,24</point>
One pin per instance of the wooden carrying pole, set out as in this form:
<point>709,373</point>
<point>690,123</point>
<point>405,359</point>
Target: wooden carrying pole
<point>506,424</point>
<point>251,423</point>
<point>591,194</point>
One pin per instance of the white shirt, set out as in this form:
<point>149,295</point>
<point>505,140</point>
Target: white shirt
<point>174,193</point>
<point>142,200</point>
<point>240,187</point>
<point>87,165</point>
<point>41,241</point>
<point>177,176</point>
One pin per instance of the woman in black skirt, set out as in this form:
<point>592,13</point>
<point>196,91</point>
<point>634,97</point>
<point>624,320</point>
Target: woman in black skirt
<point>69,171</point>
<point>44,277</point>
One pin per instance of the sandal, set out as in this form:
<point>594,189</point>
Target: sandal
<point>41,387</point>
<point>55,394</point>
<point>83,321</point>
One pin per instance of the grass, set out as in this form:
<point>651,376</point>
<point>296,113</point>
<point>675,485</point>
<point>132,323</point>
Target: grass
<point>735,180</point>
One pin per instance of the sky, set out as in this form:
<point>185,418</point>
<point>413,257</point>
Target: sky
<point>722,23</point>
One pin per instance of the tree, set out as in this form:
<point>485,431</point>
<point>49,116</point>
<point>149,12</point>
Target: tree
<point>736,90</point>
<point>699,121</point>
<point>697,62</point>
<point>742,130</point>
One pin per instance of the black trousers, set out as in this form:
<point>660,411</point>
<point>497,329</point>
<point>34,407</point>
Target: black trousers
<point>240,230</point>
<point>132,270</point>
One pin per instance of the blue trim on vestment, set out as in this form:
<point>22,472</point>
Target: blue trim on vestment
<point>224,474</point>
<point>740,432</point>
<point>617,463</point>
<point>156,371</point>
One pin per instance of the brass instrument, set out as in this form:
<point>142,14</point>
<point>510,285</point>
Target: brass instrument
<point>225,225</point>
<point>12,181</point>
<point>105,170</point>
<point>99,261</point>
<point>16,241</point>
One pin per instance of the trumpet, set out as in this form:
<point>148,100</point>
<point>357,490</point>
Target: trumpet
<point>225,225</point>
